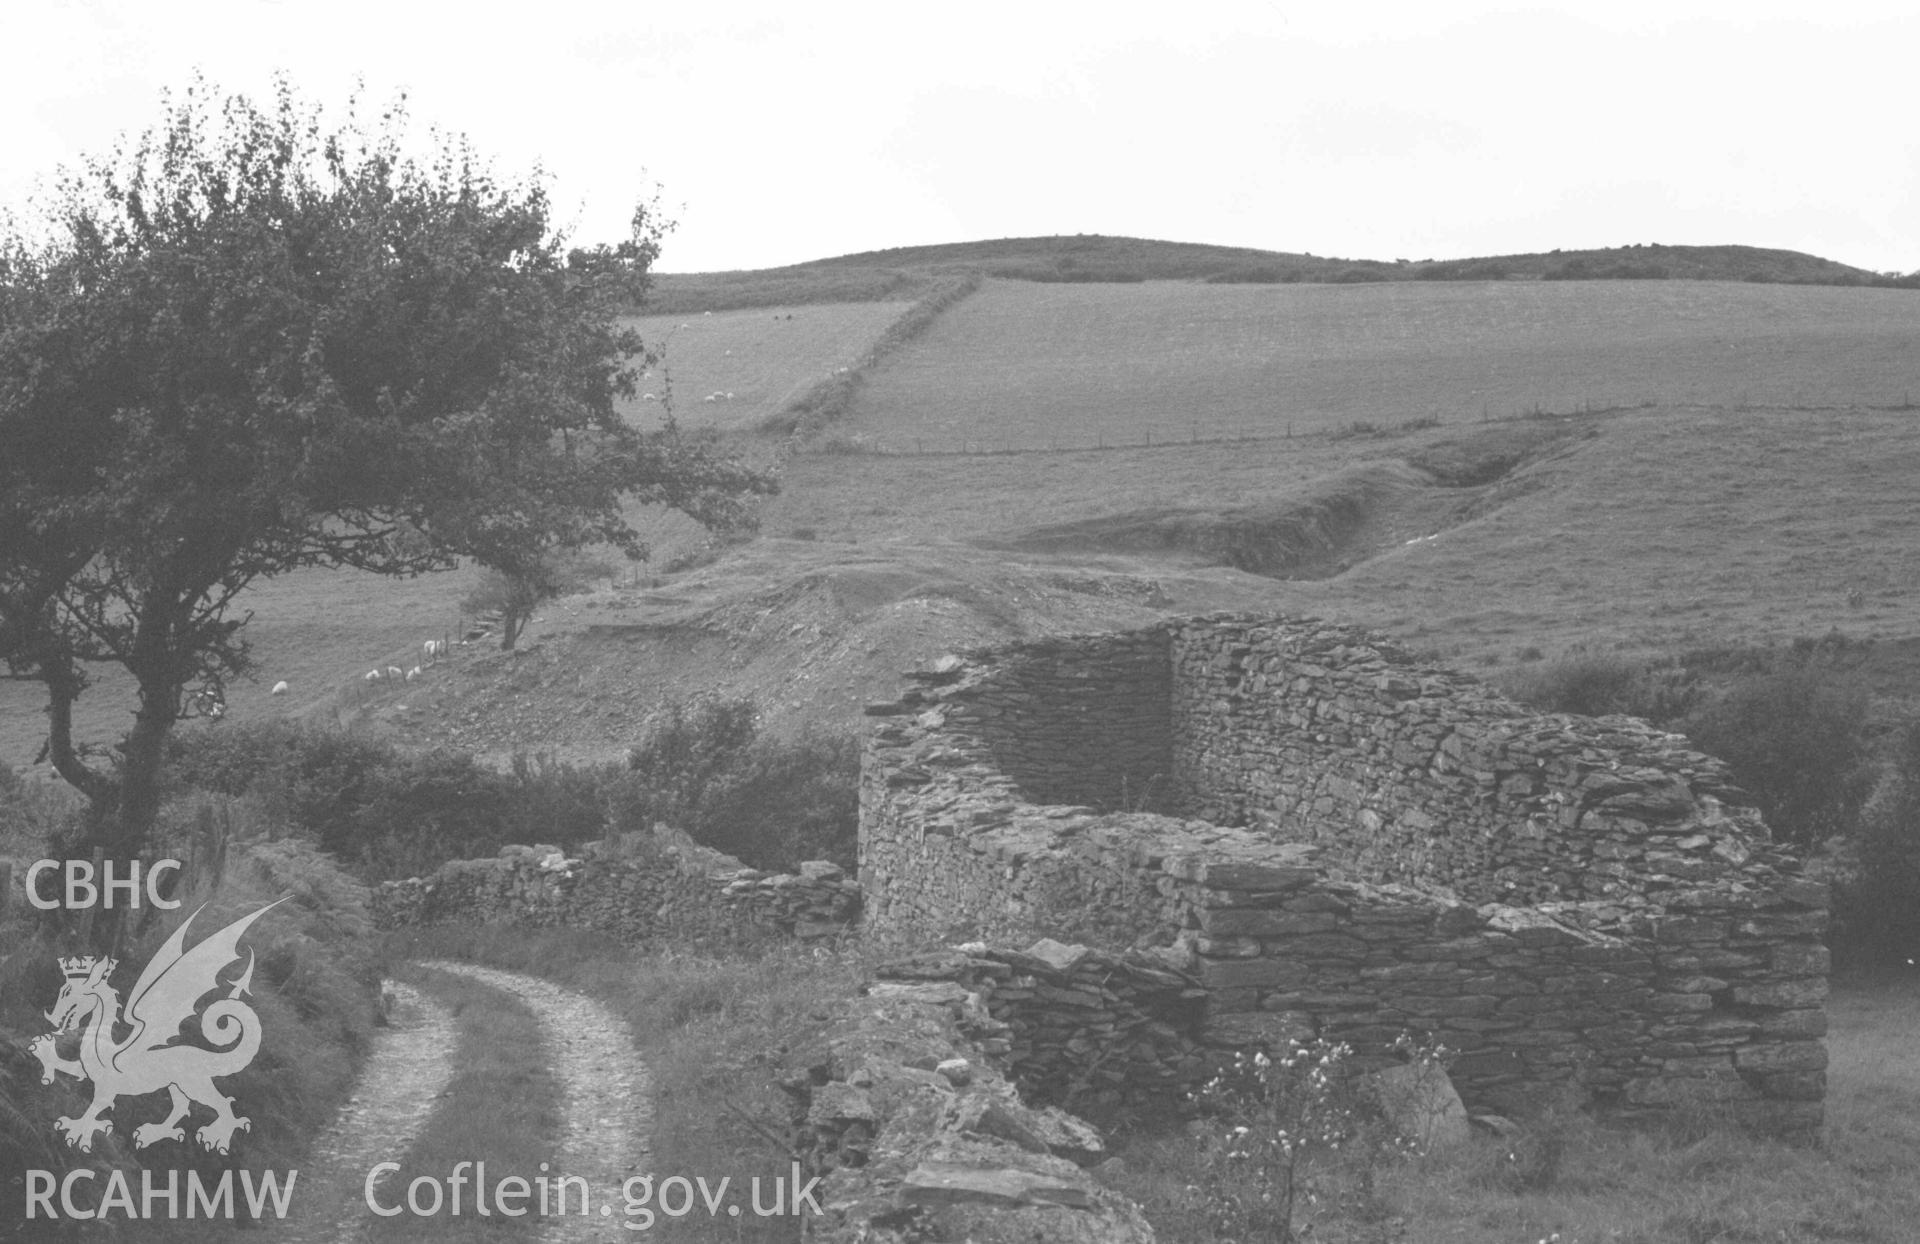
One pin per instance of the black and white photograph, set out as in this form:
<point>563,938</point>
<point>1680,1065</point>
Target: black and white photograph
<point>758,624</point>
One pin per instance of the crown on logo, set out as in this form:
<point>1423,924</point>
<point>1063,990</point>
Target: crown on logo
<point>74,969</point>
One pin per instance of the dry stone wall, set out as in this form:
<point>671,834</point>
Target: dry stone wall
<point>1408,772</point>
<point>667,889</point>
<point>1565,902</point>
<point>1086,723</point>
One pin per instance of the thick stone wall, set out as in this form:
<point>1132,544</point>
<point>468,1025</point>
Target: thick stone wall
<point>664,890</point>
<point>1691,973</point>
<point>1408,772</point>
<point>1080,722</point>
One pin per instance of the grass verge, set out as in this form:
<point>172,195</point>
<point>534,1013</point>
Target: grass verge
<point>1573,1181</point>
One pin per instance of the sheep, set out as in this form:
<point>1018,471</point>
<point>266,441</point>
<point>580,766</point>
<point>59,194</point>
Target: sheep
<point>413,673</point>
<point>394,672</point>
<point>373,676</point>
<point>648,397</point>
<point>708,398</point>
<point>729,395</point>
<point>434,650</point>
<point>279,688</point>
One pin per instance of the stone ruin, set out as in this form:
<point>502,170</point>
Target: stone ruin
<point>1226,831</point>
<point>1270,829</point>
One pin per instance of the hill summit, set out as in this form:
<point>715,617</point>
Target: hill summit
<point>906,271</point>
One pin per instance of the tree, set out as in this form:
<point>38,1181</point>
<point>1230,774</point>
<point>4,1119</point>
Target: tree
<point>244,345</point>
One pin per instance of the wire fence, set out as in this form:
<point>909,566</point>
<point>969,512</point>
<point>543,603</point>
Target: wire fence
<point>1152,437</point>
<point>1173,435</point>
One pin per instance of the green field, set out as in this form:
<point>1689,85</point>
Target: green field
<point>759,355</point>
<point>1030,365</point>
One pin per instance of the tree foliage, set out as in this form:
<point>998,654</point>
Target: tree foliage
<point>245,344</point>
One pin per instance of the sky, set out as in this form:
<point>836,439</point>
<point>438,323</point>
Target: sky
<point>773,134</point>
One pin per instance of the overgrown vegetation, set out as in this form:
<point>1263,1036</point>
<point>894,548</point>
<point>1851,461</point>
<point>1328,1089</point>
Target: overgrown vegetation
<point>1794,725</point>
<point>703,767</point>
<point>706,768</point>
<point>1557,1173</point>
<point>386,812</point>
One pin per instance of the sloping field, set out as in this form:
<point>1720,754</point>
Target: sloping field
<point>1670,529</point>
<point>1030,365</point>
<point>764,356</point>
<point>1652,528</point>
<point>1649,529</point>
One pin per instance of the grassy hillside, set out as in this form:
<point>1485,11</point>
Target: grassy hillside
<point>902,272</point>
<point>1032,365</point>
<point>766,357</point>
<point>1760,498</point>
<point>1644,529</point>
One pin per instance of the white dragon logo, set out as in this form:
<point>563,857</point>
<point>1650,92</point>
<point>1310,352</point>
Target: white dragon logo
<point>145,1061</point>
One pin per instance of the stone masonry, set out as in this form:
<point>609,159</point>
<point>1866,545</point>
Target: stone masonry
<point>666,889</point>
<point>1334,839</point>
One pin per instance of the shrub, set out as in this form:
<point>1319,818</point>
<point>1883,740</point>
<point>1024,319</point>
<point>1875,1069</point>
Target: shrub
<point>1597,684</point>
<point>1876,902</point>
<point>390,813</point>
<point>705,768</point>
<point>1795,739</point>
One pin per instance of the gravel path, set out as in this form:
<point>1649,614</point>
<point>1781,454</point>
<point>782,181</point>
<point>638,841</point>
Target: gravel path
<point>604,1101</point>
<point>604,1089</point>
<point>411,1063</point>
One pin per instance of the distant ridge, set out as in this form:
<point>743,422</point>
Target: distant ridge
<point>905,272</point>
